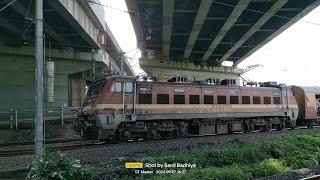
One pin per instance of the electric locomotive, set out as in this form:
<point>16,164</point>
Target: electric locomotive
<point>122,108</point>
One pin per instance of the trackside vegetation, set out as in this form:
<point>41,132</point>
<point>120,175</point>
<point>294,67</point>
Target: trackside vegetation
<point>57,166</point>
<point>244,161</point>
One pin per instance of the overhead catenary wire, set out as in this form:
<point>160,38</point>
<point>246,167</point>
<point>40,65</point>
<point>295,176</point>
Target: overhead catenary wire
<point>132,58</point>
<point>28,11</point>
<point>3,8</point>
<point>138,49</point>
<point>117,9</point>
<point>262,12</point>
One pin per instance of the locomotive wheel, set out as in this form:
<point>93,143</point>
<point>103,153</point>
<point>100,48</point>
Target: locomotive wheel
<point>269,126</point>
<point>124,135</point>
<point>310,124</point>
<point>116,138</point>
<point>164,134</point>
<point>90,134</point>
<point>279,127</point>
<point>174,134</point>
<point>263,128</point>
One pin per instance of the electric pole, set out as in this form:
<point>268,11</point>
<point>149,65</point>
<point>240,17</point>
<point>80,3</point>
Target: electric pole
<point>39,78</point>
<point>93,65</point>
<point>121,61</point>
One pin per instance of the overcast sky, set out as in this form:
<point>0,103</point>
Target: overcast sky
<point>292,58</point>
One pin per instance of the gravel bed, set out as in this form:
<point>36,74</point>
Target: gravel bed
<point>140,150</point>
<point>108,154</point>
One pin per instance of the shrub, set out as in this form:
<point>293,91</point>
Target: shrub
<point>57,166</point>
<point>268,167</point>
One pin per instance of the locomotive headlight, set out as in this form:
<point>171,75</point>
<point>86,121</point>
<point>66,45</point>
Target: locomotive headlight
<point>87,89</point>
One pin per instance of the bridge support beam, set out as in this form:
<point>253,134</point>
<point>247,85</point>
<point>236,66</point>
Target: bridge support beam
<point>168,8</point>
<point>237,11</point>
<point>266,16</point>
<point>198,23</point>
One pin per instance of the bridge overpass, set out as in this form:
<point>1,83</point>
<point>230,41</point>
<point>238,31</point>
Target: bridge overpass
<point>77,41</point>
<point>194,38</point>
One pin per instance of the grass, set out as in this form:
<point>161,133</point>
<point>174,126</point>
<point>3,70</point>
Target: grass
<point>265,168</point>
<point>246,161</point>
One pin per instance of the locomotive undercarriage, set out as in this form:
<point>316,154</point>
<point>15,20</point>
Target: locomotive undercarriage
<point>160,129</point>
<point>309,122</point>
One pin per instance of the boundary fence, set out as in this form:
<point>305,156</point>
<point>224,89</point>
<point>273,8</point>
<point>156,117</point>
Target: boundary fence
<point>14,117</point>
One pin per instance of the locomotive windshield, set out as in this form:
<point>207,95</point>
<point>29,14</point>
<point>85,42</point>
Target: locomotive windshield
<point>95,87</point>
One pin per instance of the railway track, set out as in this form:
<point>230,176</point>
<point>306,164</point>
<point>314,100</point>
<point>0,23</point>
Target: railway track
<point>29,151</point>
<point>25,143</point>
<point>312,177</point>
<point>92,144</point>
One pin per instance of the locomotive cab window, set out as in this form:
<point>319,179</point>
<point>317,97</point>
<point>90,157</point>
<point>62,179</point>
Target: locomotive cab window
<point>129,87</point>
<point>256,100</point>
<point>179,99</point>
<point>245,99</point>
<point>118,87</point>
<point>162,98</point>
<point>194,99</point>
<point>208,99</point>
<point>145,98</point>
<point>222,99</point>
<point>266,100</point>
<point>234,100</point>
<point>276,100</point>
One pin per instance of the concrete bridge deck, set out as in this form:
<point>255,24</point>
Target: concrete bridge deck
<point>201,35</point>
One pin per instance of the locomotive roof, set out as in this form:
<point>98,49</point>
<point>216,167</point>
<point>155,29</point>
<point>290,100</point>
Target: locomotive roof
<point>193,84</point>
<point>206,85</point>
<point>311,89</point>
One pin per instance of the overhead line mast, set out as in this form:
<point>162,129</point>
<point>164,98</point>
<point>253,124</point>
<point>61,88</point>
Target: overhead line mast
<point>39,78</point>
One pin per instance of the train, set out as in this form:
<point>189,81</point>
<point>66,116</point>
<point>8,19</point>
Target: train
<point>120,107</point>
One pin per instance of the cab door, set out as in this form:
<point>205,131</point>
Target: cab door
<point>285,102</point>
<point>128,97</point>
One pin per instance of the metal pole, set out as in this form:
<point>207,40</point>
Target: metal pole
<point>134,97</point>
<point>39,78</point>
<point>16,113</point>
<point>62,120</point>
<point>93,64</point>
<point>11,118</point>
<point>121,63</point>
<point>123,97</point>
<point>44,126</point>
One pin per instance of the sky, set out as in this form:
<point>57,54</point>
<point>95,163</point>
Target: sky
<point>292,58</point>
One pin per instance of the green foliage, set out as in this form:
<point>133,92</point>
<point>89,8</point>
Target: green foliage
<point>229,173</point>
<point>57,166</point>
<point>243,161</point>
<point>268,167</point>
<point>294,152</point>
<point>238,155</point>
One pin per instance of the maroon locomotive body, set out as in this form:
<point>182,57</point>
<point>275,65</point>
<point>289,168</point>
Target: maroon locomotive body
<point>121,107</point>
